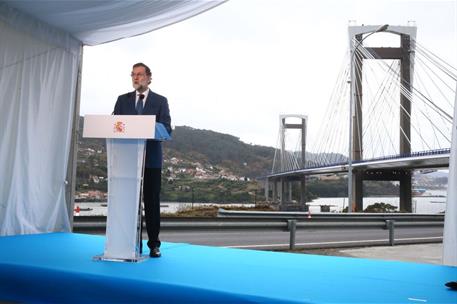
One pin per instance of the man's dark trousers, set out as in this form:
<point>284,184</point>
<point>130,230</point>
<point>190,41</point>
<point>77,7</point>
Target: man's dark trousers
<point>151,196</point>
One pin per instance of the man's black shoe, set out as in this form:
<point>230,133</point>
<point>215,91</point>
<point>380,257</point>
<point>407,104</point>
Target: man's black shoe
<point>155,253</point>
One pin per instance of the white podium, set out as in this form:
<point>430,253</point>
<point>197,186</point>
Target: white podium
<point>125,143</point>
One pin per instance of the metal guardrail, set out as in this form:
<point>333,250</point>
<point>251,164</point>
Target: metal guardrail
<point>279,221</point>
<point>389,225</point>
<point>329,216</point>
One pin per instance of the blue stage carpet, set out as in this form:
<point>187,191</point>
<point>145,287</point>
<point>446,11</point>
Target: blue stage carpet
<point>58,268</point>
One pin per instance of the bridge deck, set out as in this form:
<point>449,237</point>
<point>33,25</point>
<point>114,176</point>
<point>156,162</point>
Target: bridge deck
<point>58,267</point>
<point>418,160</point>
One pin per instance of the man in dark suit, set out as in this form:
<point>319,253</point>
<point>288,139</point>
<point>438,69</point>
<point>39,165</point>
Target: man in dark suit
<point>143,101</point>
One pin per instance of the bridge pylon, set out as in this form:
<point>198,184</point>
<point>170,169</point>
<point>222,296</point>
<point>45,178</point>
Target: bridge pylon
<point>404,53</point>
<point>282,192</point>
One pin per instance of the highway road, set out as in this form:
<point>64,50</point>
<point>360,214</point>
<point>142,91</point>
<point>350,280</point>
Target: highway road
<point>268,239</point>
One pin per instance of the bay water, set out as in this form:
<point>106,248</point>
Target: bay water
<point>431,202</point>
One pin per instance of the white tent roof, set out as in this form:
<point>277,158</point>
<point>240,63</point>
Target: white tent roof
<point>95,22</point>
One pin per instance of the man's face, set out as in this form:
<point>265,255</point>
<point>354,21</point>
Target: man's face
<point>140,80</point>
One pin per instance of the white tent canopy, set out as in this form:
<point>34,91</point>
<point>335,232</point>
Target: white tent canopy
<point>40,66</point>
<point>95,22</point>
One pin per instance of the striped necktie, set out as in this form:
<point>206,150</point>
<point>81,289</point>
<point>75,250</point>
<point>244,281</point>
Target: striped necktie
<point>139,104</point>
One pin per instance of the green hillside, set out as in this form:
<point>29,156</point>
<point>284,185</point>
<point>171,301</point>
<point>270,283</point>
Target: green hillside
<point>199,165</point>
<point>220,149</point>
<point>206,166</point>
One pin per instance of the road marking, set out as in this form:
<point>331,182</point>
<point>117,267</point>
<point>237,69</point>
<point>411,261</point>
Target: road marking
<point>335,242</point>
<point>421,238</point>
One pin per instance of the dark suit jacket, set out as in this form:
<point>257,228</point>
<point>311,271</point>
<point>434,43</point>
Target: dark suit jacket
<point>155,105</point>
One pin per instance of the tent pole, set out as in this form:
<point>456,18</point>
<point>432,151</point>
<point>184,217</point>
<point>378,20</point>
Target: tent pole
<point>450,218</point>
<point>72,159</point>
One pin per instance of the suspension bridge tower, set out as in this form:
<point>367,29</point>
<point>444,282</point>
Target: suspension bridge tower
<point>289,160</point>
<point>405,54</point>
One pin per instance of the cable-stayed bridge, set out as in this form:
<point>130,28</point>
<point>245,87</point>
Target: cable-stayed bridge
<point>390,113</point>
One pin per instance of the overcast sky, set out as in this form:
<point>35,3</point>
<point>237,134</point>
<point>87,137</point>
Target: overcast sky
<point>235,68</point>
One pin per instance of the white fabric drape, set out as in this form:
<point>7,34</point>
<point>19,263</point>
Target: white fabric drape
<point>95,22</point>
<point>450,222</point>
<point>38,73</point>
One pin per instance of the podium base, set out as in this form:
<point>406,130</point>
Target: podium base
<point>138,259</point>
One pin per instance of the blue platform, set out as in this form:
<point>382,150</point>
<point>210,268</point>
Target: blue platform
<point>58,267</point>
